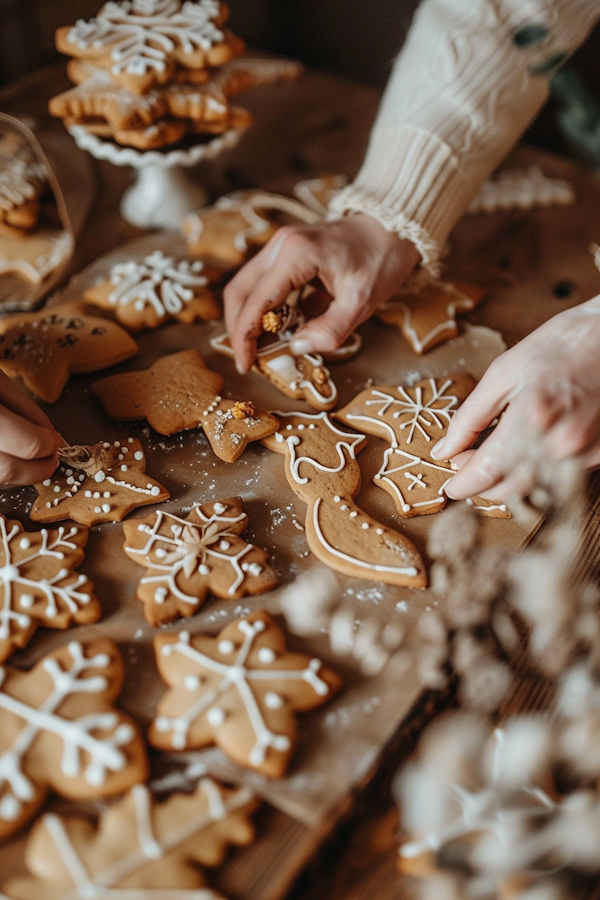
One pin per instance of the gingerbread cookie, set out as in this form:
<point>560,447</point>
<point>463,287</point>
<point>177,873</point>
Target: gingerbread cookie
<point>425,312</point>
<point>33,257</point>
<point>45,347</point>
<point>238,690</point>
<point>22,179</point>
<point>413,419</point>
<point>60,731</point>
<point>521,189</point>
<point>140,848</point>
<point>321,468</point>
<point>186,559</point>
<point>317,193</point>
<point>300,377</point>
<point>39,584</point>
<point>148,292</point>
<point>239,224</point>
<point>179,392</point>
<point>142,42</point>
<point>100,483</point>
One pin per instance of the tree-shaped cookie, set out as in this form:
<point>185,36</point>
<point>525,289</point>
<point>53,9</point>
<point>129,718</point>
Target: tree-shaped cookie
<point>238,224</point>
<point>60,731</point>
<point>413,419</point>
<point>146,293</point>
<point>179,392</point>
<point>187,559</point>
<point>321,467</point>
<point>100,483</point>
<point>140,849</point>
<point>45,347</point>
<point>238,690</point>
<point>39,585</point>
<point>426,312</point>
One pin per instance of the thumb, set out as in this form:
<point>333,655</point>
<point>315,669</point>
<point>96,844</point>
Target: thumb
<point>328,331</point>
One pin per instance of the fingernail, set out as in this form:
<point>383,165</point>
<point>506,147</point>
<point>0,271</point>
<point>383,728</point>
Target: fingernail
<point>240,367</point>
<point>446,491</point>
<point>300,347</point>
<point>437,450</point>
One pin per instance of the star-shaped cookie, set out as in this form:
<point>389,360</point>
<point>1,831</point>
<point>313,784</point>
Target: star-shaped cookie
<point>60,731</point>
<point>148,292</point>
<point>187,559</point>
<point>39,584</point>
<point>239,690</point>
<point>45,347</point>
<point>426,312</point>
<point>179,392</point>
<point>100,483</point>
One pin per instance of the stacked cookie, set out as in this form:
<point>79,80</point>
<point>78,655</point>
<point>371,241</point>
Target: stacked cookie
<point>151,73</point>
<point>22,183</point>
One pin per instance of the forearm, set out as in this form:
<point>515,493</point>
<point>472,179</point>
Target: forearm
<point>470,78</point>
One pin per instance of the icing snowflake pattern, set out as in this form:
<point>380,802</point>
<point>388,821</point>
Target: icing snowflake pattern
<point>38,584</point>
<point>84,754</point>
<point>247,669</point>
<point>157,281</point>
<point>141,34</point>
<point>187,558</point>
<point>415,415</point>
<point>19,182</point>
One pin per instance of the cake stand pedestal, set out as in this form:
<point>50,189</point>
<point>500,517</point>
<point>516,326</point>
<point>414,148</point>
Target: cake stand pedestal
<point>162,192</point>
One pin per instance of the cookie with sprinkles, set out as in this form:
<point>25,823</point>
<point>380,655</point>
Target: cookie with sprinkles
<point>103,482</point>
<point>239,690</point>
<point>188,559</point>
<point>179,392</point>
<point>39,584</point>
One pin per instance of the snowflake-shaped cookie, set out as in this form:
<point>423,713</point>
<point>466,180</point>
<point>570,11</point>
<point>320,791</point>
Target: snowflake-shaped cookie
<point>426,311</point>
<point>179,392</point>
<point>141,848</point>
<point>238,690</point>
<point>100,483</point>
<point>38,584</point>
<point>143,42</point>
<point>412,419</point>
<point>186,559</point>
<point>59,730</point>
<point>146,293</point>
<point>45,347</point>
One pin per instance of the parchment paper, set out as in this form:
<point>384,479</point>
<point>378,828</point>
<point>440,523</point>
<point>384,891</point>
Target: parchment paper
<point>341,742</point>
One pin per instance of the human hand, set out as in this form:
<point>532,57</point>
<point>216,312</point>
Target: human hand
<point>360,264</point>
<point>548,386</point>
<point>28,441</point>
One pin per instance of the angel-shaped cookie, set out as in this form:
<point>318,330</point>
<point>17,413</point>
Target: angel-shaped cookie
<point>239,690</point>
<point>179,392</point>
<point>321,467</point>
<point>186,559</point>
<point>100,483</point>
<point>413,419</point>
<point>39,584</point>
<point>140,848</point>
<point>425,312</point>
<point>240,223</point>
<point>60,731</point>
<point>147,292</point>
<point>45,347</point>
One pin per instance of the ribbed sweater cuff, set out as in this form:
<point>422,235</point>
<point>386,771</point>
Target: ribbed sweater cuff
<point>420,192</point>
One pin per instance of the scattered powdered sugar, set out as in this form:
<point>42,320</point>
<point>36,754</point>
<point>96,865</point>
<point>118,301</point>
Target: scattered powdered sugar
<point>344,716</point>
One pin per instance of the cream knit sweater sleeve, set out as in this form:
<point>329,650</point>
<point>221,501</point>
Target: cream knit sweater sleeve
<point>470,78</point>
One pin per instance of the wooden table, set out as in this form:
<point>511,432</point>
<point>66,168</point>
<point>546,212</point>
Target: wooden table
<point>321,124</point>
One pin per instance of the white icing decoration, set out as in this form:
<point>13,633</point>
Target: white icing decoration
<point>192,545</point>
<point>349,443</point>
<point>273,700</point>
<point>14,579</point>
<point>410,460</point>
<point>226,647</point>
<point>219,508</point>
<point>104,883</point>
<point>266,655</point>
<point>77,735</point>
<point>157,281</point>
<point>521,189</point>
<point>141,35</point>
<point>20,180</point>
<point>237,676</point>
<point>215,716</point>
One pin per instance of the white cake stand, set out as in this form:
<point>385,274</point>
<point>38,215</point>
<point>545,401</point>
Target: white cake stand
<point>162,193</point>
